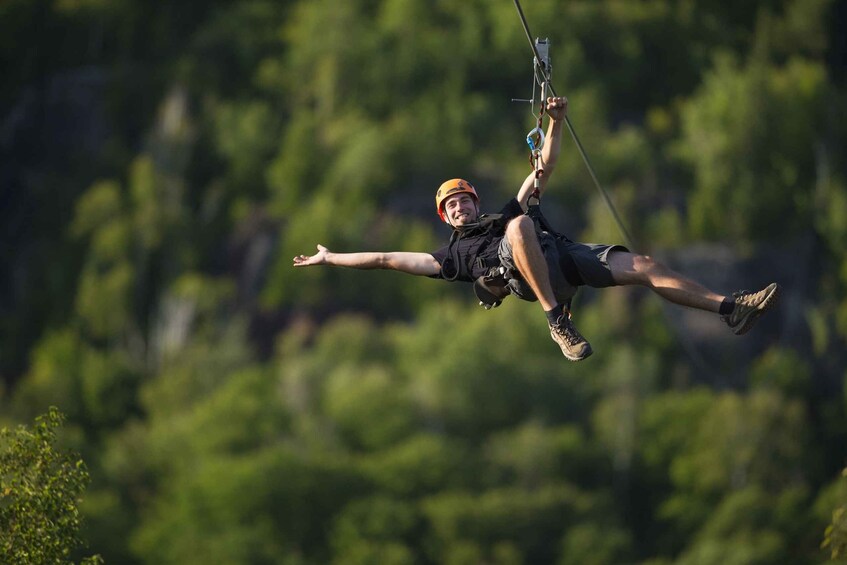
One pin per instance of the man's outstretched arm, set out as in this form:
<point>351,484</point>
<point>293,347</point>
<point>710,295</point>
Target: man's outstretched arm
<point>422,264</point>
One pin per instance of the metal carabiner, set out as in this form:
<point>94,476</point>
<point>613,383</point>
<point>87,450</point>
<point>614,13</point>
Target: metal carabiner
<point>535,139</point>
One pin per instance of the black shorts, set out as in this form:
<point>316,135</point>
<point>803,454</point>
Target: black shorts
<point>590,261</point>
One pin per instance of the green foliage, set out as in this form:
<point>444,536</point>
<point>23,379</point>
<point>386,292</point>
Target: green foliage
<point>746,528</point>
<point>835,535</point>
<point>524,519</point>
<point>594,544</point>
<point>533,454</point>
<point>96,389</point>
<point>783,370</point>
<point>375,530</point>
<point>422,464</point>
<point>740,459</point>
<point>40,488</point>
<point>752,172</point>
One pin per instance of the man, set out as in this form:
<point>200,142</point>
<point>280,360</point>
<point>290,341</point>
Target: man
<point>535,264</point>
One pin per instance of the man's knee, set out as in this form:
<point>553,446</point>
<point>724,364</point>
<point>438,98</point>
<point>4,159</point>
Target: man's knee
<point>631,268</point>
<point>644,263</point>
<point>649,270</point>
<point>520,229</point>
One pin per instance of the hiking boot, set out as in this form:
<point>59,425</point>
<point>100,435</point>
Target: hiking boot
<point>749,306</point>
<point>573,345</point>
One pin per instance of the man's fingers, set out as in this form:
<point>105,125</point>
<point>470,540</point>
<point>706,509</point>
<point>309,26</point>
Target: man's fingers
<point>302,260</point>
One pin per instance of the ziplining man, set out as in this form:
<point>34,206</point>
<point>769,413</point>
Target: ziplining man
<point>514,252</point>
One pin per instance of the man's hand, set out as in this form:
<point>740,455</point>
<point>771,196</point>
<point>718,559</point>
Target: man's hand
<point>557,108</point>
<point>318,258</point>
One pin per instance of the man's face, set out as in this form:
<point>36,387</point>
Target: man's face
<point>460,209</point>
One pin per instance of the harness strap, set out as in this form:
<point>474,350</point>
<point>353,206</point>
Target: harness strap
<point>566,261</point>
<point>486,262</point>
<point>485,226</point>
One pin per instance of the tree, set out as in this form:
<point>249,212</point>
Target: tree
<point>40,488</point>
<point>835,536</point>
<point>752,162</point>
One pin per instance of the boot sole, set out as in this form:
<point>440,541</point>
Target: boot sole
<point>578,359</point>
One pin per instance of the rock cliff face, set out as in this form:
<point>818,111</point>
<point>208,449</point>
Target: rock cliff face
<point>725,269</point>
<point>52,136</point>
<point>63,115</point>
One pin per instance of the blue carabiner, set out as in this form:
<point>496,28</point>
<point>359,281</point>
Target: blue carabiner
<point>535,139</point>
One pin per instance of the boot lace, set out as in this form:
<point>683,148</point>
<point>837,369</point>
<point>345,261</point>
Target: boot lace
<point>565,328</point>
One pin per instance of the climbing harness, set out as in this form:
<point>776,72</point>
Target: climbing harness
<point>455,268</point>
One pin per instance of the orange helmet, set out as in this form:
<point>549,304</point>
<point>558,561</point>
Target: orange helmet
<point>448,189</point>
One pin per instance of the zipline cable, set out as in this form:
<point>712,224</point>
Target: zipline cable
<point>583,154</point>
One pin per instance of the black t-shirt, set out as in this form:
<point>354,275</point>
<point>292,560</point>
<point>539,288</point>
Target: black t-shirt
<point>482,245</point>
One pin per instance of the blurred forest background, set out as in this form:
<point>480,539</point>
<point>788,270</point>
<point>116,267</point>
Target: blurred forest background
<point>162,162</point>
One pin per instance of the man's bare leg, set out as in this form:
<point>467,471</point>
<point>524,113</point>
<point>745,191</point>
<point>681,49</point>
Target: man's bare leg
<point>530,261</point>
<point>740,311</point>
<point>532,265</point>
<point>631,269</point>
